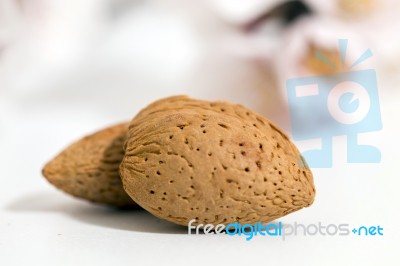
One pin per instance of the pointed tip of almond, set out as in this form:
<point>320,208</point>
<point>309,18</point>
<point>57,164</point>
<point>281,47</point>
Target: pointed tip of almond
<point>89,168</point>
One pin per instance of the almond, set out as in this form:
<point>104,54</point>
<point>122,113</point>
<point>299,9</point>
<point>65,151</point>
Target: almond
<point>214,162</point>
<point>88,168</point>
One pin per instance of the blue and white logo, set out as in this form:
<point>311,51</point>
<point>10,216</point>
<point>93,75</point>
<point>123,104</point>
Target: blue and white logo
<point>339,104</point>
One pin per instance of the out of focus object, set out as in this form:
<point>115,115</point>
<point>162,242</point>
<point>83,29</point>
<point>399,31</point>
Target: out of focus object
<point>322,61</point>
<point>357,7</point>
<point>286,37</point>
<point>286,13</point>
<point>242,12</point>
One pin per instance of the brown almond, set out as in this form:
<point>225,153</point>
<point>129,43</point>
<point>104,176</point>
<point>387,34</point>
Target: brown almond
<point>89,168</point>
<point>214,162</point>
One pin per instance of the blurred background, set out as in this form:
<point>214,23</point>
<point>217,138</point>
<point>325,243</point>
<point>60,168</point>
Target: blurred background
<point>68,68</point>
<point>105,59</point>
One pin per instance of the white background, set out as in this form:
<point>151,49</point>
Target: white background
<point>50,97</point>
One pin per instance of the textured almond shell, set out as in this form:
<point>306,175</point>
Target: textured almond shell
<point>214,162</point>
<point>89,168</point>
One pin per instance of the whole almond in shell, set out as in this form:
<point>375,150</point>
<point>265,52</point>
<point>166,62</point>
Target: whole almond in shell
<point>214,162</point>
<point>89,168</point>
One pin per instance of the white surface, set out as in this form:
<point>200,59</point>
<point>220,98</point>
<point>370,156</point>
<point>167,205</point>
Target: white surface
<point>41,226</point>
